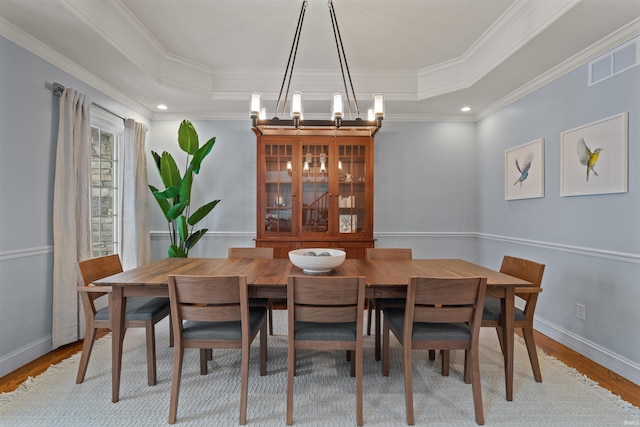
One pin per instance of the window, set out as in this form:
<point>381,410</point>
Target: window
<point>106,136</point>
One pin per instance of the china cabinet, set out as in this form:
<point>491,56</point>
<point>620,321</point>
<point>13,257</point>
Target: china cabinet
<point>315,191</point>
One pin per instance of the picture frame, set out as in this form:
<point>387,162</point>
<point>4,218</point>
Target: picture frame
<point>594,157</point>
<point>348,223</point>
<point>524,171</point>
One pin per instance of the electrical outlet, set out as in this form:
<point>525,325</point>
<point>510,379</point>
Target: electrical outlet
<point>580,311</point>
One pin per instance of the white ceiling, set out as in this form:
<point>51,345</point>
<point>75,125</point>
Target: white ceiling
<point>429,57</point>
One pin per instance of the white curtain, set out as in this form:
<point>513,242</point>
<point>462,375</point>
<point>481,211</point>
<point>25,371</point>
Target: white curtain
<point>71,216</point>
<point>135,241</point>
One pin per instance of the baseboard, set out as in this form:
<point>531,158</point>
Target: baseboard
<point>17,359</point>
<point>600,355</point>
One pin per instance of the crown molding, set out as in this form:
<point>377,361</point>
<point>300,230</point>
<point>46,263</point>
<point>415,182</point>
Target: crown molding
<point>17,36</point>
<point>517,26</point>
<point>613,40</point>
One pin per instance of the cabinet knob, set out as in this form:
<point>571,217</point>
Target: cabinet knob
<point>293,194</point>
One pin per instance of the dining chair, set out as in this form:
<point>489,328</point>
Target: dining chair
<point>270,303</point>
<point>492,314</point>
<point>141,312</point>
<point>377,305</point>
<point>440,314</point>
<point>214,312</point>
<point>325,313</point>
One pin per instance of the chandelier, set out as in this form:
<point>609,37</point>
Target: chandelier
<point>337,124</point>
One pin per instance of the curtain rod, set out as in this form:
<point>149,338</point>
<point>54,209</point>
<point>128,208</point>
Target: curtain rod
<point>58,89</point>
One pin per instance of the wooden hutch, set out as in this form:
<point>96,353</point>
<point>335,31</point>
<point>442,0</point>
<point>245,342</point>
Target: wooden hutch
<point>315,191</point>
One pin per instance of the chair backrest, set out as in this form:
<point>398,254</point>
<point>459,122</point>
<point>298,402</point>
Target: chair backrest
<point>93,269</point>
<point>209,298</point>
<point>526,270</point>
<point>325,299</point>
<point>389,253</point>
<point>265,253</point>
<point>98,268</point>
<point>445,300</point>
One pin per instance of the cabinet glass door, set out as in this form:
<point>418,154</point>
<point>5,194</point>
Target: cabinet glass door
<point>352,183</point>
<point>278,188</point>
<point>315,188</point>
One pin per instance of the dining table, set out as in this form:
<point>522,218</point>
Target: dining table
<point>267,278</point>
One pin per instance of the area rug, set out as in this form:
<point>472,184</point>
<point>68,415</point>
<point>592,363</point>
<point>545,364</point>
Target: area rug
<point>324,391</point>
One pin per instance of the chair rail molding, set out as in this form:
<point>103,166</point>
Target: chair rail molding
<point>579,250</point>
<point>26,252</point>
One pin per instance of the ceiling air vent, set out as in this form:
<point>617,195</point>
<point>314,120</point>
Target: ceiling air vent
<point>615,61</point>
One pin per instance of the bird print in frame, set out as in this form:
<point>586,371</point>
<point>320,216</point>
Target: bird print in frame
<point>524,171</point>
<point>594,157</point>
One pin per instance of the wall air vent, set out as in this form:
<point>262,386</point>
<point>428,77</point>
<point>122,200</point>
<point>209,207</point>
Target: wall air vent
<point>614,62</point>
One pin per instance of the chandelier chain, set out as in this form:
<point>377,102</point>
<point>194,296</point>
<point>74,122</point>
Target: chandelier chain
<point>341,56</point>
<point>291,61</point>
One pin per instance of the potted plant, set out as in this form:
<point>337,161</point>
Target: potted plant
<point>175,199</point>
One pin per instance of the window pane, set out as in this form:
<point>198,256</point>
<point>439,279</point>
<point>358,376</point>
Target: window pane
<point>104,165</point>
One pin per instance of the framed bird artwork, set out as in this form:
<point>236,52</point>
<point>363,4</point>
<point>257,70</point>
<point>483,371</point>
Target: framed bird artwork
<point>594,158</point>
<point>524,171</point>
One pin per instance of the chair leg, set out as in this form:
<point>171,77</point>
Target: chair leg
<point>370,310</point>
<point>385,350</point>
<point>204,353</point>
<point>432,355</point>
<point>270,315</point>
<point>378,315</point>
<point>151,353</point>
<point>359,417</point>
<point>178,354</point>
<point>500,338</point>
<point>170,331</point>
<point>244,384</point>
<point>475,385</point>
<point>445,354</point>
<point>291,367</point>
<point>530,342</point>
<point>408,383</point>
<point>353,363</point>
<point>87,346</point>
<point>263,349</point>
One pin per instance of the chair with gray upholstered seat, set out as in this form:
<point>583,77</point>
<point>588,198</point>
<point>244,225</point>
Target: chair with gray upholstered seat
<point>492,313</point>
<point>325,313</point>
<point>213,312</point>
<point>440,314</point>
<point>263,253</point>
<point>377,305</point>
<point>141,312</point>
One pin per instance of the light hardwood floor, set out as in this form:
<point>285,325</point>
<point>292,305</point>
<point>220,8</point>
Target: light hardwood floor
<point>607,379</point>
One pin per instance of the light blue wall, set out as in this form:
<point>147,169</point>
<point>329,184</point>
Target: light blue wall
<point>28,134</point>
<point>590,244</point>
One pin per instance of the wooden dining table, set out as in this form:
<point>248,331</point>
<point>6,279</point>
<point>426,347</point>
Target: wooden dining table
<point>267,278</point>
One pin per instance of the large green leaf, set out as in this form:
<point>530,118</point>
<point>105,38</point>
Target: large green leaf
<point>188,137</point>
<point>185,188</point>
<point>156,159</point>
<point>169,171</point>
<point>167,194</point>
<point>182,228</point>
<point>175,211</point>
<point>201,154</point>
<point>176,252</point>
<point>202,212</point>
<point>195,236</point>
<point>164,204</point>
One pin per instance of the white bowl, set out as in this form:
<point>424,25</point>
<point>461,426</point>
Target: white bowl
<point>316,260</point>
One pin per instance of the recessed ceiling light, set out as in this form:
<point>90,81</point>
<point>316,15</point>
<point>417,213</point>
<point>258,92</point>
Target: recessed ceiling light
<point>465,109</point>
<point>162,107</point>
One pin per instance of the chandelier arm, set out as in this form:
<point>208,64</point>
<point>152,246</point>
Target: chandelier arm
<point>292,54</point>
<point>340,48</point>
